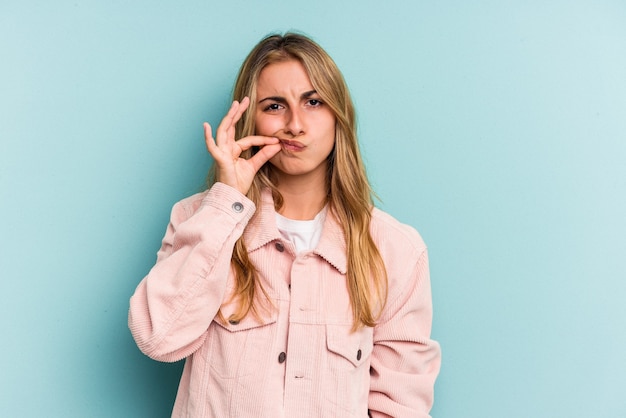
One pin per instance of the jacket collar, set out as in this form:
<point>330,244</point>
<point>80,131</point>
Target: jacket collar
<point>262,230</point>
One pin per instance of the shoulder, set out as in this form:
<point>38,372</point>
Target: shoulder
<point>393,237</point>
<point>404,254</point>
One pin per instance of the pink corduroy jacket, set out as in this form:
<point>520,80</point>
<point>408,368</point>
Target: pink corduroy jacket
<point>301,360</point>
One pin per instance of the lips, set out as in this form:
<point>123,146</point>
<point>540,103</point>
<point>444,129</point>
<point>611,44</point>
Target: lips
<point>293,146</point>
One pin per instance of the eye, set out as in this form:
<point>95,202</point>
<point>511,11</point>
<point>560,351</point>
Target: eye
<point>314,102</point>
<point>273,107</point>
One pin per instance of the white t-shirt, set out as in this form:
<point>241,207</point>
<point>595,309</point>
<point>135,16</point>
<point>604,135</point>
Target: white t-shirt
<point>303,234</point>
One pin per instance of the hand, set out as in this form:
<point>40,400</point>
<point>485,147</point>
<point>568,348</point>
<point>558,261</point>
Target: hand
<point>230,168</point>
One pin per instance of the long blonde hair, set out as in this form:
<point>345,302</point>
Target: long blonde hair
<point>349,192</point>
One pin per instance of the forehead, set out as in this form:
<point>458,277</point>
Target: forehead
<point>284,77</point>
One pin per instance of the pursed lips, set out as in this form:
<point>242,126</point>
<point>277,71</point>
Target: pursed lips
<point>291,145</point>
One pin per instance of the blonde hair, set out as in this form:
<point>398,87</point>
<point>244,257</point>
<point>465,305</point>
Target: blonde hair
<point>349,192</point>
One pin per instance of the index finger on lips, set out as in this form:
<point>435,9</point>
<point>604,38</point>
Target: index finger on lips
<point>256,140</point>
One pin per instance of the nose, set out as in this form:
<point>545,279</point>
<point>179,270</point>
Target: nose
<point>294,125</point>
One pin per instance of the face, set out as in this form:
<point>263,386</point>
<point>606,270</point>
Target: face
<point>289,108</point>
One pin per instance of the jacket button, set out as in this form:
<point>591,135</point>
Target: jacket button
<point>358,355</point>
<point>237,207</point>
<point>233,322</point>
<point>281,357</point>
<point>279,246</point>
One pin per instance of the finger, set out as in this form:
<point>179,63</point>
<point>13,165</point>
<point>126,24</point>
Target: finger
<point>256,140</point>
<point>263,155</point>
<point>243,106</point>
<point>208,137</point>
<point>217,154</point>
<point>239,110</point>
<point>224,130</point>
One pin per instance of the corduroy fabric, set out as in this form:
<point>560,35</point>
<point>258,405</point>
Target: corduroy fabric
<point>301,360</point>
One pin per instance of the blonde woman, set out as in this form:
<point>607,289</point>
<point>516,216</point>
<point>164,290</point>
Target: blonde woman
<point>287,292</point>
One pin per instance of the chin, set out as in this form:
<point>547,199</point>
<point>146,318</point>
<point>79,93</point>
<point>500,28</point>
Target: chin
<point>291,169</point>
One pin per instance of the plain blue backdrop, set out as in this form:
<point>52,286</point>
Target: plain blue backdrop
<point>496,128</point>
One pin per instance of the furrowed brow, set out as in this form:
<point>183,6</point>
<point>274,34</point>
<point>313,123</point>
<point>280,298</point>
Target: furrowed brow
<point>308,94</point>
<point>277,99</point>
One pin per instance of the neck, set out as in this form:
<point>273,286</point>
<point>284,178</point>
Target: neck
<point>303,196</point>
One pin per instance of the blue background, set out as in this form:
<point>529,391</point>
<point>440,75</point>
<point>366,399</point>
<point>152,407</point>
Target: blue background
<point>498,129</point>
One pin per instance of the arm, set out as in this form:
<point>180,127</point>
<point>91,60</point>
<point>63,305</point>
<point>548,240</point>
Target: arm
<point>175,303</point>
<point>405,361</point>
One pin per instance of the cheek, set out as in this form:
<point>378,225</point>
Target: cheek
<point>265,126</point>
<point>330,130</point>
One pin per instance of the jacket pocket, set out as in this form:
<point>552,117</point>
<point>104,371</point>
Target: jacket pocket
<point>240,349</point>
<point>348,363</point>
<point>354,347</point>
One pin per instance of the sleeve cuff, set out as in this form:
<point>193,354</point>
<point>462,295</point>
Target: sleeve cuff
<point>230,201</point>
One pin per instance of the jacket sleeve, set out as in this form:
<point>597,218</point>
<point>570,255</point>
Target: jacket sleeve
<point>175,303</point>
<point>405,361</point>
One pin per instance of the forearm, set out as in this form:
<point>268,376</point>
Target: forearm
<point>175,303</point>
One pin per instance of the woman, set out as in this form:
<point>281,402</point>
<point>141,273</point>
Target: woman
<point>286,291</point>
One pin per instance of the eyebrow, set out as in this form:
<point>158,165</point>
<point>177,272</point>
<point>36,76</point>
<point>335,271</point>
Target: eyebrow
<point>280,99</point>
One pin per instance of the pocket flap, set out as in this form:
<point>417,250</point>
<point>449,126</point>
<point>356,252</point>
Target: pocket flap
<point>356,347</point>
<point>248,322</point>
